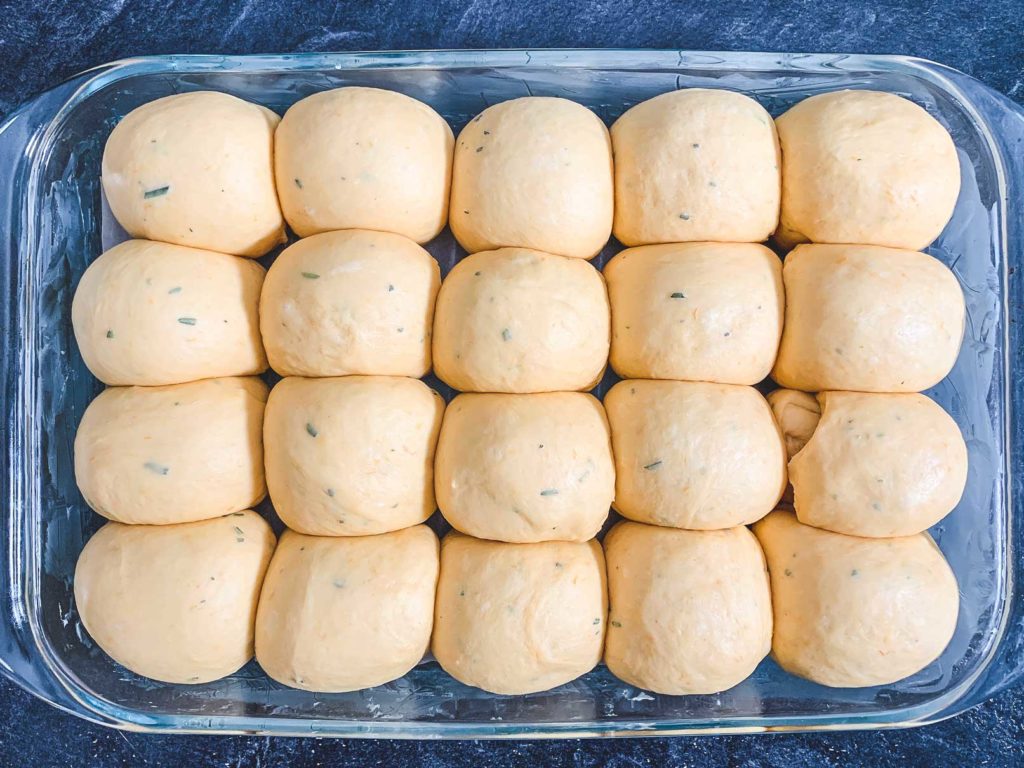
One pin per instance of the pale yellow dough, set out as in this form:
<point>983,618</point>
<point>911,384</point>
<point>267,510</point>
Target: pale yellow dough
<point>173,454</point>
<point>351,456</point>
<point>696,164</point>
<point>364,158</point>
<point>349,302</point>
<point>853,612</point>
<point>690,611</point>
<point>865,167</point>
<point>695,311</point>
<point>176,603</point>
<point>516,320</point>
<point>344,614</point>
<point>534,172</point>
<point>519,618</point>
<point>525,468</point>
<point>868,319</point>
<point>694,455</point>
<point>797,414</point>
<point>151,313</point>
<point>196,169</point>
<point>879,465</point>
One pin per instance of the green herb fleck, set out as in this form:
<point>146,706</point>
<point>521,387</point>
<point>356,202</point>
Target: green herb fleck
<point>479,149</point>
<point>684,216</point>
<point>158,192</point>
<point>876,506</point>
<point>391,288</point>
<point>313,431</point>
<point>597,621</point>
<point>462,593</point>
<point>311,275</point>
<point>329,492</point>
<point>615,623</point>
<point>401,329</point>
<point>653,464</point>
<point>677,295</point>
<point>298,183</point>
<point>549,492</point>
<point>174,290</point>
<point>696,146</point>
<point>238,531</point>
<point>110,334</point>
<point>506,334</point>
<point>477,273</point>
<point>339,583</point>
<point>788,572</point>
<point>854,572</point>
<point>187,320</point>
<point>559,565</point>
<point>158,469</point>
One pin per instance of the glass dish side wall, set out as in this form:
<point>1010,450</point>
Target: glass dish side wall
<point>56,225</point>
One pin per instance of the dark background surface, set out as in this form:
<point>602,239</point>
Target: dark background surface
<point>45,41</point>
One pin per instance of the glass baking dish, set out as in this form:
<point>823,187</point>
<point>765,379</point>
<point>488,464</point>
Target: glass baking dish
<point>53,222</point>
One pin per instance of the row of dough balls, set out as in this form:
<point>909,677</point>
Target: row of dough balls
<point>835,317</point>
<point>211,171</point>
<point>357,455</point>
<point>673,611</point>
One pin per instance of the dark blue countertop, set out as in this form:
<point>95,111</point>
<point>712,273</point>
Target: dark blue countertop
<point>44,41</point>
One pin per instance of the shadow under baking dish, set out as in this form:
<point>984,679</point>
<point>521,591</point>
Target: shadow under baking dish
<point>59,224</point>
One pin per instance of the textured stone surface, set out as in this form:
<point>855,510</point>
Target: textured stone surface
<point>44,41</point>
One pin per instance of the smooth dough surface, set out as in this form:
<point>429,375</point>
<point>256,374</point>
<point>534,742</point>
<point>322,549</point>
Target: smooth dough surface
<point>695,311</point>
<point>349,302</point>
<point>868,319</point>
<point>534,172</point>
<point>865,167</point>
<point>519,618</point>
<point>853,612</point>
<point>694,455</point>
<point>152,313</point>
<point>797,414</point>
<point>516,320</point>
<point>364,158</point>
<point>344,614</point>
<point>175,603</point>
<point>879,465</point>
<point>696,164</point>
<point>351,456</point>
<point>525,468</point>
<point>690,611</point>
<point>175,454</point>
<point>196,169</point>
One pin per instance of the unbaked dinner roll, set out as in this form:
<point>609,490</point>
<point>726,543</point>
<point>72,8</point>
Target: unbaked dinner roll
<point>694,455</point>
<point>515,320</point>
<point>196,169</point>
<point>865,167</point>
<point>695,311</point>
<point>152,313</point>
<point>351,456</point>
<point>525,468</point>
<point>173,454</point>
<point>868,319</point>
<point>695,164</point>
<point>349,302</point>
<point>534,172</point>
<point>879,465</point>
<point>344,614</point>
<point>853,612</point>
<point>364,158</point>
<point>689,611</point>
<point>176,603</point>
<point>797,414</point>
<point>519,618</point>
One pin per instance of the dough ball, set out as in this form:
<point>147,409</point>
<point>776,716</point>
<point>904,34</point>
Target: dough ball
<point>696,164</point>
<point>151,313</point>
<point>515,320</point>
<point>797,414</point>
<point>348,302</point>
<point>853,612</point>
<point>351,456</point>
<point>690,610</point>
<point>534,172</point>
<point>694,455</point>
<point>364,158</point>
<point>175,454</point>
<point>519,618</point>
<point>175,603</point>
<point>196,169</point>
<point>865,167</point>
<point>344,614</point>
<point>879,465</point>
<point>868,319</point>
<point>696,311</point>
<point>525,468</point>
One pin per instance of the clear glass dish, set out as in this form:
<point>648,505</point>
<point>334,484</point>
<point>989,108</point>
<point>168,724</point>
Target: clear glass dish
<point>53,223</point>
